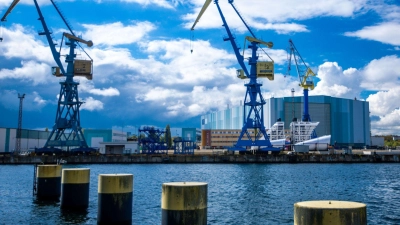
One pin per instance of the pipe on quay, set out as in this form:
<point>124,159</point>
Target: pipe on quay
<point>115,195</point>
<point>75,188</point>
<point>327,212</point>
<point>184,203</point>
<point>48,181</point>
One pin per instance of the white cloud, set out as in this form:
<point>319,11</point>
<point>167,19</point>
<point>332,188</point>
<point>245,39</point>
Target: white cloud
<point>280,28</point>
<point>32,72</point>
<point>387,32</point>
<point>20,42</point>
<point>91,104</point>
<point>388,124</point>
<point>116,33</point>
<point>384,102</point>
<point>32,101</point>
<point>105,91</point>
<point>334,81</point>
<point>274,14</point>
<point>39,100</point>
<point>382,74</point>
<point>160,3</point>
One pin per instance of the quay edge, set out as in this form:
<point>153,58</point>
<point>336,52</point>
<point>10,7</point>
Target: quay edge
<point>216,158</point>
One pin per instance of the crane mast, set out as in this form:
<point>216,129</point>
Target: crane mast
<point>253,133</point>
<point>305,75</point>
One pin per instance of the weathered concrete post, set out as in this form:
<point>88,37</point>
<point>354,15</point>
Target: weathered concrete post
<point>330,213</point>
<point>115,195</point>
<point>184,203</point>
<point>48,181</point>
<point>75,188</point>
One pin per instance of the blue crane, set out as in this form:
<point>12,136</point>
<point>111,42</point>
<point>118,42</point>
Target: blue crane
<point>67,131</point>
<point>305,75</point>
<point>253,102</point>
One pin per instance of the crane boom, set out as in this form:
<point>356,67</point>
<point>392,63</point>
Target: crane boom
<point>70,36</point>
<point>268,44</point>
<point>46,32</point>
<point>13,4</point>
<point>304,72</point>
<point>203,9</point>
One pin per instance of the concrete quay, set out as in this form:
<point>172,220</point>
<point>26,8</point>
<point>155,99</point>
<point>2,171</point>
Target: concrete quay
<point>201,158</point>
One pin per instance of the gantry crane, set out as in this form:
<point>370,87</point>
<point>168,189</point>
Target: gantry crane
<point>67,132</point>
<point>253,133</point>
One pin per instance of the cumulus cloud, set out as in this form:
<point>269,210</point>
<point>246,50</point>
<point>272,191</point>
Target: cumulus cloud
<point>105,91</point>
<point>32,100</point>
<point>387,32</point>
<point>384,102</point>
<point>382,74</point>
<point>91,104</point>
<point>334,81</point>
<point>33,72</point>
<point>387,124</point>
<point>273,15</point>
<point>160,3</point>
<point>117,33</point>
<point>20,42</point>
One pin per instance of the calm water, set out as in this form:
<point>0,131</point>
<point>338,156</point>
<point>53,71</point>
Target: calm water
<point>238,194</point>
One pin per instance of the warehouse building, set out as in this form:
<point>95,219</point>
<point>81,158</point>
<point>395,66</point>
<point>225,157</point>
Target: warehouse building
<point>30,139</point>
<point>346,120</point>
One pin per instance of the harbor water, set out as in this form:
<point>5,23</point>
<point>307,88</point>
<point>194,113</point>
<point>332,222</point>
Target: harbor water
<point>237,193</point>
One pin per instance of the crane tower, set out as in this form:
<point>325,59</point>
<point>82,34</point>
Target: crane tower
<point>253,133</point>
<point>305,74</point>
<point>67,132</point>
<point>19,129</point>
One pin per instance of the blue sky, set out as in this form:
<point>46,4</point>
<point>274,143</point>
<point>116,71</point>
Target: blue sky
<point>145,73</point>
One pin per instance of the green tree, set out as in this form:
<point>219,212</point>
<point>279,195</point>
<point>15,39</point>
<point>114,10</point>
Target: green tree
<point>168,136</point>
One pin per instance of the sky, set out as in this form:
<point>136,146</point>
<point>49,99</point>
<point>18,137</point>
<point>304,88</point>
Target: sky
<point>150,69</point>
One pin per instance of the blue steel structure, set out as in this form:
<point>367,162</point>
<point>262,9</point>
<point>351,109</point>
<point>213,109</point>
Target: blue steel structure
<point>254,101</point>
<point>305,76</point>
<point>150,140</point>
<point>67,131</point>
<point>183,146</point>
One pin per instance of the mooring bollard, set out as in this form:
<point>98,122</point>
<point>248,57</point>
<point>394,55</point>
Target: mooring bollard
<point>184,203</point>
<point>115,195</point>
<point>75,188</point>
<point>330,212</point>
<point>48,181</point>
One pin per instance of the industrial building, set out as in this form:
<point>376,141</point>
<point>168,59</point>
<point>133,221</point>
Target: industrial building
<point>346,120</point>
<point>30,139</point>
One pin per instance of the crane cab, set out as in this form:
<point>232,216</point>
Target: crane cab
<point>55,70</point>
<point>240,74</point>
<point>265,70</point>
<point>82,68</point>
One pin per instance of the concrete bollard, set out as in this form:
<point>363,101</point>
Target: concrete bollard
<point>330,212</point>
<point>48,181</point>
<point>184,203</point>
<point>115,195</point>
<point>75,188</point>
